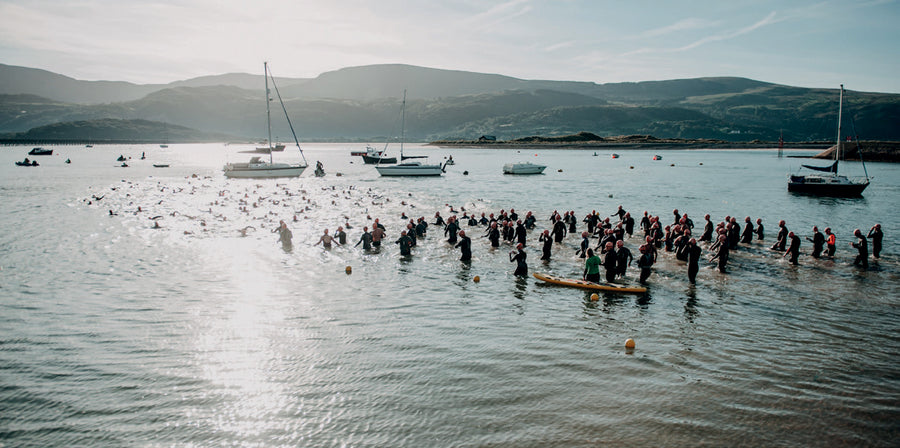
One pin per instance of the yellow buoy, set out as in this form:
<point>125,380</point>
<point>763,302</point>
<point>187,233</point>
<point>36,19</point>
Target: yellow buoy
<point>476,279</point>
<point>594,297</point>
<point>348,270</point>
<point>629,343</point>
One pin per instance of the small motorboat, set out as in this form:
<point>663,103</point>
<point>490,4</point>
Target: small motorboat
<point>657,157</point>
<point>160,165</point>
<point>615,156</point>
<point>121,158</point>
<point>124,165</point>
<point>523,168</point>
<point>370,151</point>
<point>27,162</point>
<point>40,152</point>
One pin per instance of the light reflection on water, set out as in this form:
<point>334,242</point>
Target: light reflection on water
<point>115,333</point>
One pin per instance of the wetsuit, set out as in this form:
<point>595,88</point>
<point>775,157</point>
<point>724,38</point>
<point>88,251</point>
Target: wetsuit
<point>559,231</point>
<point>529,221</point>
<point>366,240</point>
<point>694,253</point>
<point>645,224</point>
<point>494,236</point>
<point>521,267</point>
<point>421,228</point>
<point>722,256</point>
<point>629,225</point>
<point>451,230</point>
<point>404,243</point>
<point>465,247</point>
<point>644,263</point>
<point>545,250</point>
<point>623,259</point>
<point>862,259</point>
<point>585,243</point>
<point>438,221</point>
<point>609,263</point>
<point>341,237</point>
<point>781,239</point>
<point>876,234</point>
<point>818,241</point>
<point>592,269</point>
<point>759,232</point>
<point>520,234</point>
<point>747,236</point>
<point>707,231</point>
<point>794,249</point>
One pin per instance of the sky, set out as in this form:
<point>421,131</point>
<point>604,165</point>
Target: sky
<point>799,43</point>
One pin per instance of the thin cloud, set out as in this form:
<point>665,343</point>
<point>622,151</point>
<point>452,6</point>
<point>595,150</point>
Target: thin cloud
<point>500,13</point>
<point>681,25</point>
<point>770,19</point>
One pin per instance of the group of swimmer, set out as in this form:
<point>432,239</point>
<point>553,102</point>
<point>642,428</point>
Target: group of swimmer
<point>611,252</point>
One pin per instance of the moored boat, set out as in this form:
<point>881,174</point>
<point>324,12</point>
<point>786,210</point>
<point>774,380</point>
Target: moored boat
<point>831,184</point>
<point>523,168</point>
<point>40,152</point>
<point>406,168</point>
<point>257,168</point>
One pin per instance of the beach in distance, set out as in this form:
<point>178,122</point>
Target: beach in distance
<point>149,305</point>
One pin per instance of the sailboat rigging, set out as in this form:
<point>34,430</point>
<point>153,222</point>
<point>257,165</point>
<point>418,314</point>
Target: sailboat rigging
<point>831,184</point>
<point>258,168</point>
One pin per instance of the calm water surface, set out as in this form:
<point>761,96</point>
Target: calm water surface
<point>113,333</point>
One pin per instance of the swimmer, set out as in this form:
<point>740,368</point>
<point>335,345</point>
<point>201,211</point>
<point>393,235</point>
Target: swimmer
<point>877,235</point>
<point>591,267</point>
<point>818,241</point>
<point>694,252</point>
<point>609,262</point>
<point>794,248</point>
<point>747,236</point>
<point>365,239</point>
<point>518,256</point>
<point>623,258</point>
<point>405,244</point>
<point>548,243</point>
<point>465,246</point>
<point>862,246</point>
<point>830,242</point>
<point>645,261</point>
<point>326,240</point>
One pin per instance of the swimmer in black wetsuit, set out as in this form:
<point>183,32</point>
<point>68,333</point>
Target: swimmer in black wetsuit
<point>877,235</point>
<point>609,262</point>
<point>781,239</point>
<point>747,236</point>
<point>759,229</point>
<point>520,233</point>
<point>722,254</point>
<point>494,235</point>
<point>405,244</point>
<point>818,241</point>
<point>707,229</point>
<point>623,258</point>
<point>451,229</point>
<point>694,252</point>
<point>645,261</point>
<point>585,243</point>
<point>861,245</point>
<point>548,244</point>
<point>519,257</point>
<point>794,249</point>
<point>465,246</point>
<point>559,231</point>
<point>365,239</point>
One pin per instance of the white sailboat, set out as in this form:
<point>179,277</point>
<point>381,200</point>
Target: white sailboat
<point>408,168</point>
<point>831,184</point>
<point>258,168</point>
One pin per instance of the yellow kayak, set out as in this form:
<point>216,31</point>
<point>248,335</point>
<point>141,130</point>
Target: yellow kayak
<point>575,283</point>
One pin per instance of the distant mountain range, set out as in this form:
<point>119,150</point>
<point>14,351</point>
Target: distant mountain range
<point>363,103</point>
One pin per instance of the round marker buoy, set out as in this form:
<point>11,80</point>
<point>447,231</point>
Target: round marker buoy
<point>594,297</point>
<point>629,344</point>
<point>348,270</point>
<point>701,163</point>
<point>671,164</point>
<point>476,279</point>
<point>631,167</point>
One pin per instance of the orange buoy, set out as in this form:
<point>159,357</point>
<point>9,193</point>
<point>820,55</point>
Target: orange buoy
<point>594,297</point>
<point>629,343</point>
<point>476,279</point>
<point>348,270</point>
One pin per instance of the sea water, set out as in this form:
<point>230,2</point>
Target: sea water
<point>207,332</point>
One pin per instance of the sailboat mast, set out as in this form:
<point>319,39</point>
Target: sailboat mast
<point>268,114</point>
<point>837,149</point>
<point>402,124</point>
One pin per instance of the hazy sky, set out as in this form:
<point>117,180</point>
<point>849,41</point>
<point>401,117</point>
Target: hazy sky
<point>801,43</point>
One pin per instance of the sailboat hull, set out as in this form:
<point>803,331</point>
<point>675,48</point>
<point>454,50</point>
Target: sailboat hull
<point>410,169</point>
<point>373,160</point>
<point>262,170</point>
<point>838,186</point>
